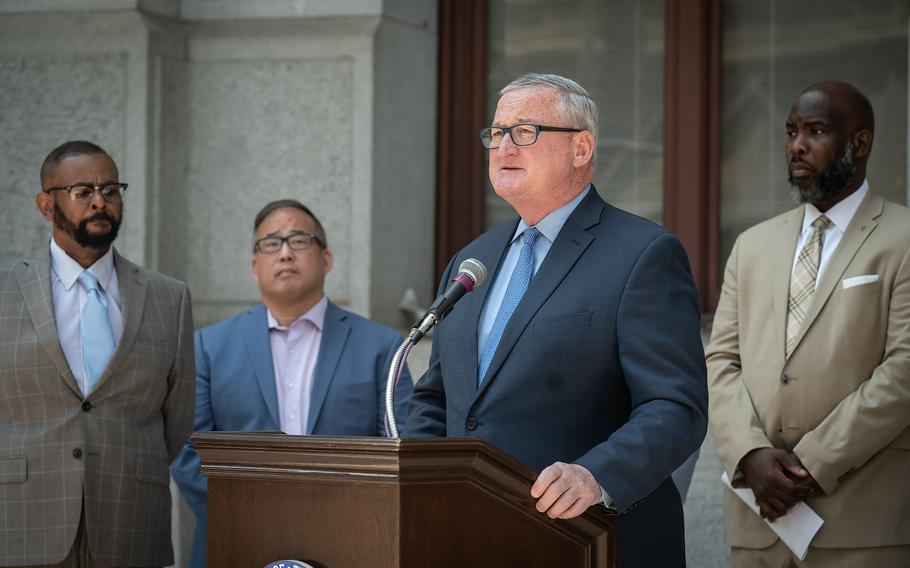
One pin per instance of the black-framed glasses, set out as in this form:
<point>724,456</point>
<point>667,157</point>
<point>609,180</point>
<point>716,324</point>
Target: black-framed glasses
<point>83,193</point>
<point>521,134</point>
<point>297,241</point>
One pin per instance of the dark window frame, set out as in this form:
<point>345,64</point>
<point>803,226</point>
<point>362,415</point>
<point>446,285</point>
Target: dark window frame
<point>691,178</point>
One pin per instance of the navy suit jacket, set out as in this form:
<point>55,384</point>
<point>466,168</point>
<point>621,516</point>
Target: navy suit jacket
<point>235,389</point>
<point>601,365</point>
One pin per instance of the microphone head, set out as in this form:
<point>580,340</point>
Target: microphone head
<point>473,269</point>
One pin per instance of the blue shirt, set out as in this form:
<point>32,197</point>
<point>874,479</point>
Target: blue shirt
<point>549,227</point>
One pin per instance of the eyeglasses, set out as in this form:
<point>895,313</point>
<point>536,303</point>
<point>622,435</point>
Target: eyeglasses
<point>297,241</point>
<point>521,134</point>
<point>83,193</point>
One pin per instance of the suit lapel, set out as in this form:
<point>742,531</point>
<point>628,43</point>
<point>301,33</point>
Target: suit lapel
<point>259,350</point>
<point>861,226</point>
<point>335,334</point>
<point>133,285</point>
<point>491,255</point>
<point>784,239</point>
<point>34,277</point>
<point>572,240</point>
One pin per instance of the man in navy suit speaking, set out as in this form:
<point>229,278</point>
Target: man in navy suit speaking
<point>296,363</point>
<point>582,357</point>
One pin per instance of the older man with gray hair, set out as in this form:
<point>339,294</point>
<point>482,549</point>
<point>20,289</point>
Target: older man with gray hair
<point>582,357</point>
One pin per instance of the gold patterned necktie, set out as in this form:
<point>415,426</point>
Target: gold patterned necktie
<point>802,282</point>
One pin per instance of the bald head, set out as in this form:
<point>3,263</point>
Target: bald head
<point>847,105</point>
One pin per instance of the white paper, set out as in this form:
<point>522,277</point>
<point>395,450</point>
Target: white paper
<point>859,280</point>
<point>797,528</point>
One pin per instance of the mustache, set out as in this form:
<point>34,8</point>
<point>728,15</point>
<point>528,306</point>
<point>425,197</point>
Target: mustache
<point>99,216</point>
<point>799,160</point>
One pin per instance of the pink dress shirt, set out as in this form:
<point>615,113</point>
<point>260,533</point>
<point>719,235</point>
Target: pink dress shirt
<point>294,352</point>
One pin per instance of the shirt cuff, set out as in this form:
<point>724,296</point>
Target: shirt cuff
<point>605,499</point>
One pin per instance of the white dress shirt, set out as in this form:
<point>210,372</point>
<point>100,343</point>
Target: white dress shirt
<point>295,349</point>
<point>70,299</point>
<point>840,215</point>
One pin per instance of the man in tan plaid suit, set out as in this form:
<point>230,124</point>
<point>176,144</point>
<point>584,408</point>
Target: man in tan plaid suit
<point>96,383</point>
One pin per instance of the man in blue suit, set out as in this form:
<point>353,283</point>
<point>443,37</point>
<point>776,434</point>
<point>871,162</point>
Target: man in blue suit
<point>296,363</point>
<point>582,357</point>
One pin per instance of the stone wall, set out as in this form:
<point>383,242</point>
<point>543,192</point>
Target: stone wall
<point>212,108</point>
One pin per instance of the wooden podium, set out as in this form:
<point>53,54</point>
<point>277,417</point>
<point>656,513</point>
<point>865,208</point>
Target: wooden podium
<point>344,502</point>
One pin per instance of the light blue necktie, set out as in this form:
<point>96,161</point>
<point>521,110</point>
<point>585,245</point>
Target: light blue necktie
<point>96,331</point>
<point>518,284</point>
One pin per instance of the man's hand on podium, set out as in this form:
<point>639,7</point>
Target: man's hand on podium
<point>565,490</point>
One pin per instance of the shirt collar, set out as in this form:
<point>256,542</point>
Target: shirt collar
<point>550,225</point>
<point>315,315</point>
<point>842,213</point>
<point>68,270</point>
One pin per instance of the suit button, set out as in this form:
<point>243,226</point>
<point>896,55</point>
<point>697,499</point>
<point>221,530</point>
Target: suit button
<point>86,405</point>
<point>471,424</point>
<point>77,453</point>
<point>785,379</point>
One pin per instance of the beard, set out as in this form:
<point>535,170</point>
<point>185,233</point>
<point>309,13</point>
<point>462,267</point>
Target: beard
<point>829,184</point>
<point>80,232</point>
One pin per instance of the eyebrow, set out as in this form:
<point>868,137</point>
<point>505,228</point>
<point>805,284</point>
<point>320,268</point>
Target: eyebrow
<point>102,184</point>
<point>810,122</point>
<point>519,121</point>
<point>290,234</point>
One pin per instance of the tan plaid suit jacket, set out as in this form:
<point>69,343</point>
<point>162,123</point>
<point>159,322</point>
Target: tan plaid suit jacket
<point>114,446</point>
<point>841,401</point>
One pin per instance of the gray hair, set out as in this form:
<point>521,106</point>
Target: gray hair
<point>575,105</point>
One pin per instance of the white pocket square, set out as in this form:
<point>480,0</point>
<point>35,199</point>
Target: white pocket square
<point>860,280</point>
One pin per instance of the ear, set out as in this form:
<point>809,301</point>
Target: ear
<point>328,259</point>
<point>45,203</point>
<point>253,268</point>
<point>862,144</point>
<point>584,149</point>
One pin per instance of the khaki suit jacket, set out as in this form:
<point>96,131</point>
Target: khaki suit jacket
<point>841,401</point>
<point>111,448</point>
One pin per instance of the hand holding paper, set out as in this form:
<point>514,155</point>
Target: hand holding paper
<point>797,528</point>
<point>778,480</point>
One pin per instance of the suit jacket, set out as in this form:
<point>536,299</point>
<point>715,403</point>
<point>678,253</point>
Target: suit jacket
<point>601,364</point>
<point>235,389</point>
<point>111,447</point>
<point>841,401</point>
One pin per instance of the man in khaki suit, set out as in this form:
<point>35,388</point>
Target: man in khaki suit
<point>809,361</point>
<point>96,383</point>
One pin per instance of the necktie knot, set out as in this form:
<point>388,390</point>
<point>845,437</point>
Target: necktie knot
<point>531,235</point>
<point>89,282</point>
<point>822,223</point>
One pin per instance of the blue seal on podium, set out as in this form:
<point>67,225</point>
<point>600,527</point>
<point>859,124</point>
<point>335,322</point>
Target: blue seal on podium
<point>288,564</point>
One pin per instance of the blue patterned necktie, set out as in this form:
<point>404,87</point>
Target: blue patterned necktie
<point>95,329</point>
<point>518,284</point>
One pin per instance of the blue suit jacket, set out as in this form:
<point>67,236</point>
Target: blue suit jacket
<point>235,389</point>
<point>601,365</point>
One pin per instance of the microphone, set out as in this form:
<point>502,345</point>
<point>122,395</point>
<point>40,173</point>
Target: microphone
<point>471,273</point>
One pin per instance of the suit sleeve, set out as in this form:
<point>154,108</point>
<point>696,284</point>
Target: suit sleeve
<point>186,468</point>
<point>427,408</point>
<point>872,416</point>
<point>177,409</point>
<point>402,390</point>
<point>662,360</point>
<point>735,427</point>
